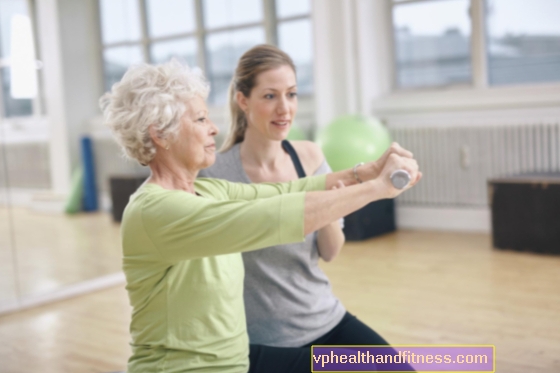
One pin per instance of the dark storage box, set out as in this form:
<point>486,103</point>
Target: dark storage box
<point>526,212</point>
<point>372,220</point>
<point>122,187</point>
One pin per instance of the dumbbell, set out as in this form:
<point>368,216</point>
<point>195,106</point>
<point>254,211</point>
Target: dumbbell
<point>400,179</point>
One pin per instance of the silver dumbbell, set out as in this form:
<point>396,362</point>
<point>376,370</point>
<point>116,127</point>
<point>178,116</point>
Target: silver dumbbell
<point>400,179</point>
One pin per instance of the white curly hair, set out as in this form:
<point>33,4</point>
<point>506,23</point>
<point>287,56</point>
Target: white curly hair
<point>150,95</point>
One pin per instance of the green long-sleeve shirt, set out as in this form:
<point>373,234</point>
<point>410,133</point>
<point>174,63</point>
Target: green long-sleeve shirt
<point>185,274</point>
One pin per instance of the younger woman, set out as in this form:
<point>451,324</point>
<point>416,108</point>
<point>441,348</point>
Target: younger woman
<point>288,298</point>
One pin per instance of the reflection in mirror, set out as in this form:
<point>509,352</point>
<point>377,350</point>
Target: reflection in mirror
<point>54,253</point>
<point>10,107</point>
<point>8,274</point>
<point>54,249</point>
<point>13,107</point>
<point>57,250</point>
<point>23,63</point>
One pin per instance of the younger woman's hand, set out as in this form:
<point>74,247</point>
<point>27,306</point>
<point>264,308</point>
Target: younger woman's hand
<point>339,185</point>
<point>371,170</point>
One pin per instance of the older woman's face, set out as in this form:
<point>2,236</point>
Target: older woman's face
<point>195,145</point>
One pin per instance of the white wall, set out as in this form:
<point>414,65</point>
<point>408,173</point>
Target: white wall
<point>83,71</point>
<point>72,79</point>
<point>351,43</point>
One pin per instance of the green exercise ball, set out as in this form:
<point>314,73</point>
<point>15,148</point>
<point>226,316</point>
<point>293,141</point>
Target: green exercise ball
<point>352,139</point>
<point>296,133</point>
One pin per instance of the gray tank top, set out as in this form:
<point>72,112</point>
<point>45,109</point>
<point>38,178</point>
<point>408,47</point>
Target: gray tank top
<point>288,298</point>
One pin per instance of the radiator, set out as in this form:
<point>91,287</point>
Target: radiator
<point>457,162</point>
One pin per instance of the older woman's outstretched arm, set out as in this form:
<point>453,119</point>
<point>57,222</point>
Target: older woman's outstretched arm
<point>322,208</point>
<point>248,192</point>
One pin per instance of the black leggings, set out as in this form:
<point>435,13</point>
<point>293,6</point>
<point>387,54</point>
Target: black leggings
<point>349,331</point>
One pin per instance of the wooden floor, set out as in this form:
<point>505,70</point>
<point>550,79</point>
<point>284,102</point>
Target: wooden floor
<point>53,250</point>
<point>412,287</point>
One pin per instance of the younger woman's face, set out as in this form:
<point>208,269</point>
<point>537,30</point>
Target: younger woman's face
<point>272,103</point>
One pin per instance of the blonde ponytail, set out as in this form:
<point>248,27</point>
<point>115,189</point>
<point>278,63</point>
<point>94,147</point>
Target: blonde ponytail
<point>238,120</point>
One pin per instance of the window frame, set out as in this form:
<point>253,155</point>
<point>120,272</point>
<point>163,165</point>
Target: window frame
<point>269,23</point>
<point>394,71</point>
<point>298,17</point>
<point>476,95</point>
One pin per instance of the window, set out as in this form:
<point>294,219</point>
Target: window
<point>171,25</point>
<point>295,38</point>
<point>433,42</point>
<point>523,41</point>
<point>224,49</point>
<point>121,34</point>
<point>232,27</point>
<point>12,11</point>
<point>211,34</point>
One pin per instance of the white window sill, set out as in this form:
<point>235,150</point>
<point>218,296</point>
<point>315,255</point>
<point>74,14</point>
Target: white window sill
<point>466,98</point>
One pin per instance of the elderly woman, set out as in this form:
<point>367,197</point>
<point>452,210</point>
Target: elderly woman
<point>182,237</point>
